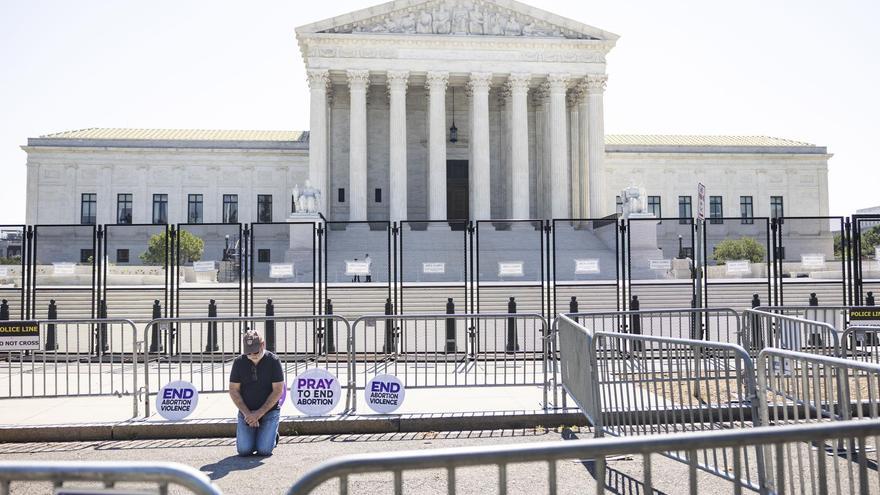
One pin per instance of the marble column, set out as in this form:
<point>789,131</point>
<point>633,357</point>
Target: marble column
<point>358,80</point>
<point>584,151</point>
<point>574,149</point>
<point>560,191</point>
<point>518,84</point>
<point>436,85</point>
<point>599,206</point>
<point>318,81</point>
<point>480,172</point>
<point>397,81</point>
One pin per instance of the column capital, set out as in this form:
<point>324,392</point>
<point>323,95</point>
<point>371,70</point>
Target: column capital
<point>397,79</point>
<point>479,81</point>
<point>318,78</point>
<point>518,82</point>
<point>595,83</point>
<point>358,79</point>
<point>437,81</point>
<point>575,96</point>
<point>558,82</point>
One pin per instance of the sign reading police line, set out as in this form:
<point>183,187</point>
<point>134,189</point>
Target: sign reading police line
<point>19,336</point>
<point>177,400</point>
<point>315,392</point>
<point>868,315</point>
<point>384,393</point>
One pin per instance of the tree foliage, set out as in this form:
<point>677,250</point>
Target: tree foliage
<point>870,240</point>
<point>190,248</point>
<point>745,248</point>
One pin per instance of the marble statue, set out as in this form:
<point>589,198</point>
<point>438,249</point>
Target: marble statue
<point>307,198</point>
<point>635,201</point>
<point>512,28</point>
<point>475,22</point>
<point>442,21</point>
<point>425,24</point>
<point>408,24</point>
<point>460,20</point>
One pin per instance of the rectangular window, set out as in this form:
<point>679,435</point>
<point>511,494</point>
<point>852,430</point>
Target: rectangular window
<point>716,210</point>
<point>230,208</point>
<point>746,210</point>
<point>776,209</point>
<point>86,256</point>
<point>685,213</point>
<point>122,255</point>
<point>378,195</point>
<point>340,195</point>
<point>123,208</point>
<point>654,206</point>
<point>264,208</point>
<point>264,255</point>
<point>160,209</point>
<point>88,209</point>
<point>618,205</point>
<point>194,208</point>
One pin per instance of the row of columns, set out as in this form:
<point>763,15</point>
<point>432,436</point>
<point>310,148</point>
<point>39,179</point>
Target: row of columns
<point>586,156</point>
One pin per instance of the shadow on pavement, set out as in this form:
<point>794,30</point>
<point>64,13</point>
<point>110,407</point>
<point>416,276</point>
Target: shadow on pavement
<point>232,463</point>
<point>616,482</point>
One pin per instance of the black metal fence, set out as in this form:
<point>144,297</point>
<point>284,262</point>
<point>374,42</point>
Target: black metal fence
<point>536,266</point>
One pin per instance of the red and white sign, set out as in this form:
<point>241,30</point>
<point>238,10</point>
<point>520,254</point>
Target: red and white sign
<point>701,201</point>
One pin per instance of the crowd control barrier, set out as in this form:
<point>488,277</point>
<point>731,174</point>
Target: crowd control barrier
<point>762,329</point>
<point>711,324</point>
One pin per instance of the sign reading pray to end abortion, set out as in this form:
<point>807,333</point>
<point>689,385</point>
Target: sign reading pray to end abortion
<point>315,392</point>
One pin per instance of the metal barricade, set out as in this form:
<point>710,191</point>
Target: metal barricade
<point>201,350</point>
<point>796,387</point>
<point>861,343</point>
<point>577,369</point>
<point>77,357</point>
<point>710,324</point>
<point>458,350</point>
<point>107,473</point>
<point>836,316</point>
<point>794,464</point>
<point>761,329</point>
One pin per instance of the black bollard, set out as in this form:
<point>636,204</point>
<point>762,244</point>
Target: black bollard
<point>51,343</point>
<point>756,301</point>
<point>4,310</point>
<point>389,347</point>
<point>329,333</point>
<point>815,338</point>
<point>270,326</point>
<point>635,321</point>
<point>212,345</point>
<point>814,300</point>
<point>512,342</point>
<point>155,338</point>
<point>869,301</point>
<point>101,342</point>
<point>573,307</point>
<point>757,334</point>
<point>451,345</point>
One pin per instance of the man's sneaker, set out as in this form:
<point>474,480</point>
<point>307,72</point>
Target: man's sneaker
<point>277,438</point>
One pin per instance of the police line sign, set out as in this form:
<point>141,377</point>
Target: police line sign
<point>20,336</point>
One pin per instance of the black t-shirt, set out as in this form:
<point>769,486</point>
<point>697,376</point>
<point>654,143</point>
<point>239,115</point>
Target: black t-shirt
<point>256,379</point>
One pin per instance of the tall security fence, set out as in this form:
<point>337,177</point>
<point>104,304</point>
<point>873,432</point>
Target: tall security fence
<point>353,268</point>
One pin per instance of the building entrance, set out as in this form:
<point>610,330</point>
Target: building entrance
<point>457,206</point>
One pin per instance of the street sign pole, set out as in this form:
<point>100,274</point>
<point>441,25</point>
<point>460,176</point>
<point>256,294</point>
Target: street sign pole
<point>699,255</point>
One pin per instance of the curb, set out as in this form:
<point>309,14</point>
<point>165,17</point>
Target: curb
<point>346,425</point>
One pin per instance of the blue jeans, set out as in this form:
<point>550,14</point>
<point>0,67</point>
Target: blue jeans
<point>260,439</point>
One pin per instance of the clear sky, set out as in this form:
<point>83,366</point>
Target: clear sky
<point>802,69</point>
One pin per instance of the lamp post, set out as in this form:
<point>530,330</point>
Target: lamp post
<point>226,251</point>
<point>680,248</point>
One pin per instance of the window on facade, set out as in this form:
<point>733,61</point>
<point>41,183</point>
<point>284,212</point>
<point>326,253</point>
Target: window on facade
<point>160,209</point>
<point>88,209</point>
<point>122,255</point>
<point>685,213</point>
<point>194,204</point>
<point>123,208</point>
<point>230,208</point>
<point>264,255</point>
<point>654,206</point>
<point>776,209</point>
<point>618,201</point>
<point>340,195</point>
<point>86,256</point>
<point>264,208</point>
<point>746,210</point>
<point>378,195</point>
<point>716,210</point>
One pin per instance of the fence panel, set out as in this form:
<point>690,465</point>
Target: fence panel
<point>201,350</point>
<point>208,267</point>
<point>134,270</point>
<point>433,265</point>
<point>659,255</point>
<point>437,350</point>
<point>861,343</point>
<point>585,264</point>
<point>84,357</point>
<point>13,265</point>
<point>284,268</point>
<point>737,261</point>
<point>510,262</point>
<point>63,270</point>
<point>577,369</point>
<point>809,259</point>
<point>866,257</point>
<point>358,267</point>
<point>762,329</point>
<point>710,324</point>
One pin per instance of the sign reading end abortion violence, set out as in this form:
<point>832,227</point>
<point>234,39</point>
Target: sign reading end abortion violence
<point>19,336</point>
<point>384,393</point>
<point>177,400</point>
<point>315,392</point>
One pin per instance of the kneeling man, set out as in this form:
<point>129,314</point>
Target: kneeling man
<point>256,383</point>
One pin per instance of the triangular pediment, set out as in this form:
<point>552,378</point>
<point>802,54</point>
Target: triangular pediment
<point>507,18</point>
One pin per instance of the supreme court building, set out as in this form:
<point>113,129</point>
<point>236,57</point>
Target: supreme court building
<point>426,109</point>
